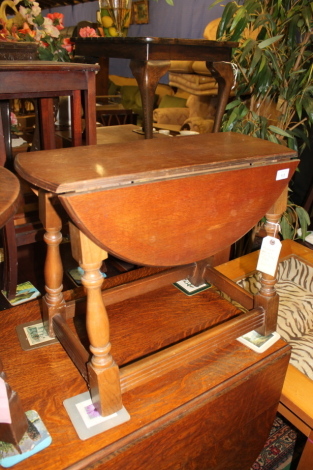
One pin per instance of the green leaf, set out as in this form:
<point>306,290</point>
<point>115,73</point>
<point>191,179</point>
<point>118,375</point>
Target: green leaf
<point>45,54</point>
<point>247,47</point>
<point>308,106</point>
<point>269,41</point>
<point>280,131</point>
<point>285,228</point>
<point>233,104</point>
<point>237,33</point>
<point>226,19</point>
<point>304,220</point>
<point>256,57</point>
<point>39,20</point>
<point>241,14</point>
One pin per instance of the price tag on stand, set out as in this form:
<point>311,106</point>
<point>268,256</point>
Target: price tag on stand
<point>269,254</point>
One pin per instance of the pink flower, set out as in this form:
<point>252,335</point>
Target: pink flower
<point>88,32</point>
<point>13,119</point>
<point>67,45</point>
<point>57,20</point>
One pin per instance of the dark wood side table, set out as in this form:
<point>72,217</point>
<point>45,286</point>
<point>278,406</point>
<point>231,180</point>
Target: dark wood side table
<point>150,60</point>
<point>153,204</point>
<point>46,80</point>
<point>43,81</point>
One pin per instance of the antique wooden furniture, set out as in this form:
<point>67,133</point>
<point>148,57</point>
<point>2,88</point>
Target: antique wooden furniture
<point>9,192</point>
<point>151,59</point>
<point>43,81</point>
<point>202,415</point>
<point>295,402</point>
<point>116,117</point>
<point>152,204</point>
<point>111,135</point>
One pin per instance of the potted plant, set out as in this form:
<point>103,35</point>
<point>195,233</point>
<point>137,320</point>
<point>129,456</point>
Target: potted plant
<point>274,89</point>
<point>274,81</point>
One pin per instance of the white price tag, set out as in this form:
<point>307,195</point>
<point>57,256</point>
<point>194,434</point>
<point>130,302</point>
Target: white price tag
<point>269,254</point>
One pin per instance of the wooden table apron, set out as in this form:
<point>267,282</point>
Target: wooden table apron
<point>150,60</point>
<point>150,204</point>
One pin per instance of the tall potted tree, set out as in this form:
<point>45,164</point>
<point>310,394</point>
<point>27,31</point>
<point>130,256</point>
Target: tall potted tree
<point>274,83</point>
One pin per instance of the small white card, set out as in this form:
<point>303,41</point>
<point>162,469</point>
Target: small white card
<point>269,254</point>
<point>257,342</point>
<point>188,288</point>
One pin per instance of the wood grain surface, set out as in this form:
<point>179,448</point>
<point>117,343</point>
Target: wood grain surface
<point>200,414</point>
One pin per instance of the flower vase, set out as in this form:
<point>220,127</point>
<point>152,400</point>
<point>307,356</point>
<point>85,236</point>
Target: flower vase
<point>115,17</point>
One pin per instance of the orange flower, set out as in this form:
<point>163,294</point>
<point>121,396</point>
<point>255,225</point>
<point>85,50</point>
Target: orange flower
<point>57,19</point>
<point>67,45</point>
<point>26,30</point>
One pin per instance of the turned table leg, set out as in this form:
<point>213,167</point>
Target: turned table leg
<point>148,74</point>
<point>53,301</point>
<point>267,296</point>
<point>104,378</point>
<point>223,74</point>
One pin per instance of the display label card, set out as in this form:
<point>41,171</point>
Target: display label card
<point>257,342</point>
<point>269,254</point>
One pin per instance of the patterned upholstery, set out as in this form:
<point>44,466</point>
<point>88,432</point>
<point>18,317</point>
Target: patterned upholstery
<point>295,314</point>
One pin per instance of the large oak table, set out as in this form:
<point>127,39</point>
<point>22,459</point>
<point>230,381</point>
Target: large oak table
<point>166,206</point>
<point>150,59</point>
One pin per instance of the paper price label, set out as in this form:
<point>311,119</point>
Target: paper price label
<point>269,254</point>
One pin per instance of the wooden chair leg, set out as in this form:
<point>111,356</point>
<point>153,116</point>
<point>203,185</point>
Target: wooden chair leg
<point>10,259</point>
<point>104,377</point>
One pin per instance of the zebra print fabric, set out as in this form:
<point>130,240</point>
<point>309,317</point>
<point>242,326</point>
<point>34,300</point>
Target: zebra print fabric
<point>295,313</point>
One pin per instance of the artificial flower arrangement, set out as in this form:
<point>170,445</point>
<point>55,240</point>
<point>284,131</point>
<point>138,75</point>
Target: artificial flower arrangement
<point>29,25</point>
